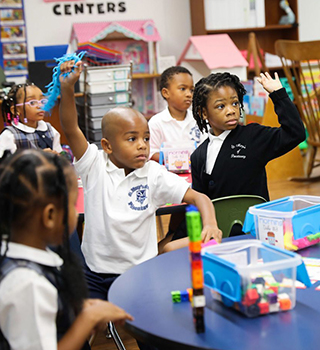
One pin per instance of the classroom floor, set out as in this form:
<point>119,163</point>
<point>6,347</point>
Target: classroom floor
<point>277,189</point>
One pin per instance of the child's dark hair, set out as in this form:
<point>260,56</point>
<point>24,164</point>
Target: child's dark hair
<point>30,179</point>
<point>205,86</point>
<point>10,100</point>
<point>167,75</point>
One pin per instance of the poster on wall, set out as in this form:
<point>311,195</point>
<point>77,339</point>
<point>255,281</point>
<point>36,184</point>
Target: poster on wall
<point>13,33</point>
<point>10,3</point>
<point>11,16</point>
<point>14,50</point>
<point>13,41</point>
<point>15,67</point>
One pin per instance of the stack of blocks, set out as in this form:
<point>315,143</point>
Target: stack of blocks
<point>194,228</point>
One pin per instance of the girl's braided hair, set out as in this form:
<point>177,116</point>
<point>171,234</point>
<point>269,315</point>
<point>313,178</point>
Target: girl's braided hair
<point>30,179</point>
<point>10,100</point>
<point>205,86</point>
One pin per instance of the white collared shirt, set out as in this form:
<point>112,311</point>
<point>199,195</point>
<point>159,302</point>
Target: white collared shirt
<point>7,141</point>
<point>214,146</point>
<point>29,302</point>
<point>120,227</point>
<point>164,128</point>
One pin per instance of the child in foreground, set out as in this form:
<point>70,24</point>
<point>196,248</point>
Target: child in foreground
<point>23,119</point>
<point>122,191</point>
<point>42,293</point>
<point>175,123</point>
<point>232,160</point>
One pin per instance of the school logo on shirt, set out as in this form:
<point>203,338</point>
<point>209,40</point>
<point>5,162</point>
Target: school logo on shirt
<point>238,151</point>
<point>138,196</point>
<point>195,134</point>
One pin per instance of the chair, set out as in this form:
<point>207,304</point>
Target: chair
<point>301,65</point>
<point>232,210</point>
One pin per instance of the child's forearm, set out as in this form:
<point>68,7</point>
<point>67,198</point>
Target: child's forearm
<point>206,209</point>
<point>77,334</point>
<point>68,111</point>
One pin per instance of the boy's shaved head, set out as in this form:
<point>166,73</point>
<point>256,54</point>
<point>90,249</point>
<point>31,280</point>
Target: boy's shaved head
<point>113,119</point>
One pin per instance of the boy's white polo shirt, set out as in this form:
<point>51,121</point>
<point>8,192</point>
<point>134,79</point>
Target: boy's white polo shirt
<point>164,128</point>
<point>120,227</point>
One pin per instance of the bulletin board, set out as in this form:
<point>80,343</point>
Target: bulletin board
<point>13,39</point>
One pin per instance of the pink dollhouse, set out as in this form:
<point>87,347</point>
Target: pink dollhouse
<point>137,40</point>
<point>205,54</point>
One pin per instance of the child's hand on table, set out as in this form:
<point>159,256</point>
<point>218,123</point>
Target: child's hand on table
<point>268,83</point>
<point>209,232</point>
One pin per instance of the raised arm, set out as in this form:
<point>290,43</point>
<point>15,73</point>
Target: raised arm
<point>68,111</point>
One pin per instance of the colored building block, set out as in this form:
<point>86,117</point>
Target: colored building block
<point>195,247</point>
<point>176,296</point>
<point>196,264</point>
<point>190,293</point>
<point>285,304</point>
<point>274,307</point>
<point>272,298</point>
<point>184,295</point>
<point>264,307</point>
<point>197,278</point>
<point>251,297</point>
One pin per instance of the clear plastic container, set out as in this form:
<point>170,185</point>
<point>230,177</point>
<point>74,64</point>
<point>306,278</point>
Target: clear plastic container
<point>292,222</point>
<point>251,276</point>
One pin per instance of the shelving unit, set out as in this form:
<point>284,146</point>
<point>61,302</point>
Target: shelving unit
<point>266,35</point>
<point>104,88</point>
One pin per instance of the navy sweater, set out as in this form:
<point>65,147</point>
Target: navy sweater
<point>240,165</point>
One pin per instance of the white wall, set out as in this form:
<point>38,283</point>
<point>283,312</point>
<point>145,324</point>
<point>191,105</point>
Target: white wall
<point>309,24</point>
<point>172,19</point>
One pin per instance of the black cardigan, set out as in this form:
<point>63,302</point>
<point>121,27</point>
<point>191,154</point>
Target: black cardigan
<point>240,165</point>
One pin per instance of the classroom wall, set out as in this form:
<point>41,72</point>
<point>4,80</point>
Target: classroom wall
<point>172,18</point>
<point>49,23</point>
<point>309,24</point>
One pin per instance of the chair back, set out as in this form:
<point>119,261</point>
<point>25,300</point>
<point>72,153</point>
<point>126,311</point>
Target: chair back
<point>232,210</point>
<point>301,65</point>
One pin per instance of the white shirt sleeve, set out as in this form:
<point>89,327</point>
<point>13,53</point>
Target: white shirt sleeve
<point>156,137</point>
<point>56,146</point>
<point>7,142</point>
<point>170,188</point>
<point>28,310</point>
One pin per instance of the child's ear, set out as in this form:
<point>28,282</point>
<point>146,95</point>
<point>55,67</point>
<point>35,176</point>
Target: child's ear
<point>12,110</point>
<point>204,113</point>
<point>165,93</point>
<point>49,216</point>
<point>106,145</point>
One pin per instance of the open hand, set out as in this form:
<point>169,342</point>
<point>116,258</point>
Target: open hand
<point>103,312</point>
<point>268,83</point>
<point>209,232</point>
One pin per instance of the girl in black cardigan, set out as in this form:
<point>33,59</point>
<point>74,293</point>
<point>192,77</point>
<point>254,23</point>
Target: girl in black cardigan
<point>232,160</point>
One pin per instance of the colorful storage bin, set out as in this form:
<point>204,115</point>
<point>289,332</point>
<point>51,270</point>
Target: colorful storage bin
<point>253,277</point>
<point>292,222</point>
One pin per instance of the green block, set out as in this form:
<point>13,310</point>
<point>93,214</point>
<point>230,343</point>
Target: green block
<point>176,296</point>
<point>194,225</point>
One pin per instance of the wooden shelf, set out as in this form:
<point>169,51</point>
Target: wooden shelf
<point>253,29</point>
<point>266,36</point>
<point>144,76</point>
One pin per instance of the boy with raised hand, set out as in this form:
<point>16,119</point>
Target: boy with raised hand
<point>122,191</point>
